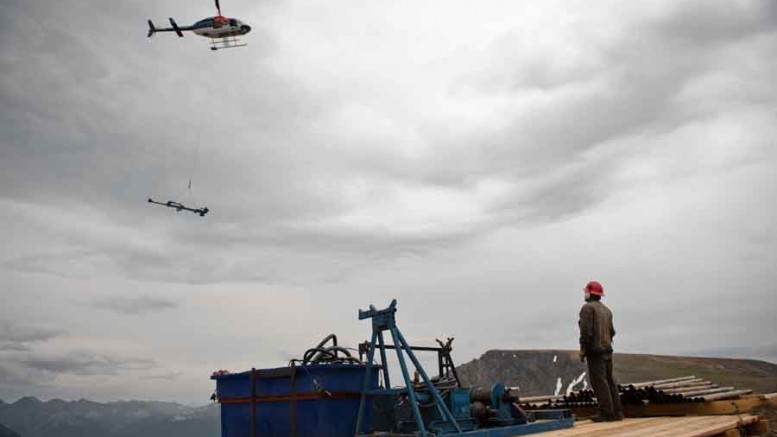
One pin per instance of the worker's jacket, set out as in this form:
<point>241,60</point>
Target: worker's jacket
<point>596,329</point>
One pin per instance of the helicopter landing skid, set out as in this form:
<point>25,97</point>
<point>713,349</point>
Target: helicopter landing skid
<point>227,42</point>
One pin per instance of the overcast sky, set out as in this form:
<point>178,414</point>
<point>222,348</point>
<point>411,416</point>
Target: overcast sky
<point>480,161</point>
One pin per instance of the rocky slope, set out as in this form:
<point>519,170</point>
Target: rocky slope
<point>5,432</point>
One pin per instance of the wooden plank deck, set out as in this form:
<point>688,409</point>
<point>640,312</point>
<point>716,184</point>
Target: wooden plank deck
<point>697,426</point>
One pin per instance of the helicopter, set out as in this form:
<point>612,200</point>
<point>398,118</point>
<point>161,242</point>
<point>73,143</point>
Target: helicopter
<point>223,32</point>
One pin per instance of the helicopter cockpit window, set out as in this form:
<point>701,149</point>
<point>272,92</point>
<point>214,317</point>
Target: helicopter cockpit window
<point>232,22</point>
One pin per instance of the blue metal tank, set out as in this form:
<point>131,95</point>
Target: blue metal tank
<point>315,400</point>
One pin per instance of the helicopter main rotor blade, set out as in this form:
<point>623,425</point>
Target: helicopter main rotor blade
<point>218,7</point>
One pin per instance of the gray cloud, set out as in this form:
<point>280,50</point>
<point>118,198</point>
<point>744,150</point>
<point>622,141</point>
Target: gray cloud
<point>24,334</point>
<point>165,376</point>
<point>14,347</point>
<point>86,364</point>
<point>702,24</point>
<point>10,377</point>
<point>767,352</point>
<point>544,153</point>
<point>412,149</point>
<point>20,337</point>
<point>136,305</point>
<point>40,374</point>
<point>630,88</point>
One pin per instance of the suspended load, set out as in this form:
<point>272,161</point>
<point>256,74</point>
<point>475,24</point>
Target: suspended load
<point>180,207</point>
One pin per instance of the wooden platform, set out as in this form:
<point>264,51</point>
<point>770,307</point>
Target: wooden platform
<point>698,426</point>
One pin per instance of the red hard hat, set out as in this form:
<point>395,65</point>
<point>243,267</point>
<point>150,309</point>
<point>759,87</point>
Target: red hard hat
<point>594,288</point>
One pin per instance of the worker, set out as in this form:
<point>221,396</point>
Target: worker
<point>596,333</point>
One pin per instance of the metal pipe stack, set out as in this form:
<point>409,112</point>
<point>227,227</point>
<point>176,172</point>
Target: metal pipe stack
<point>666,391</point>
<point>684,389</point>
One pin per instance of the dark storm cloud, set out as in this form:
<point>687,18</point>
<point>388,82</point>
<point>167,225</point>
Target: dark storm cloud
<point>136,305</point>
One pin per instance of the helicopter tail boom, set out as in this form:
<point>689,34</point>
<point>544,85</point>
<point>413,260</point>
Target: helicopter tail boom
<point>175,28</point>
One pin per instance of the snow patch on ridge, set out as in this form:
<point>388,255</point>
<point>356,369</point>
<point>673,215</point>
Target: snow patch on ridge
<point>571,386</point>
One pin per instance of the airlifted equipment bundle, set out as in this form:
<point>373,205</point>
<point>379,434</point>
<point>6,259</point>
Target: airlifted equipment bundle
<point>181,207</point>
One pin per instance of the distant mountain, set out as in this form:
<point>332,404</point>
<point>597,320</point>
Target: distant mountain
<point>539,372</point>
<point>31,417</point>
<point>5,432</point>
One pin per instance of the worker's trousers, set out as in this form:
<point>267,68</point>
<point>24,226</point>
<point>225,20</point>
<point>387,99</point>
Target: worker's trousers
<point>604,385</point>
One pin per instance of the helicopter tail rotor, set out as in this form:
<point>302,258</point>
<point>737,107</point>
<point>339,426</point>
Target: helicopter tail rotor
<point>151,29</point>
<point>176,28</point>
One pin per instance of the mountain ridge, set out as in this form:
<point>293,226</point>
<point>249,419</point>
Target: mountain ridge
<point>6,432</point>
<point>540,372</point>
<point>31,417</point>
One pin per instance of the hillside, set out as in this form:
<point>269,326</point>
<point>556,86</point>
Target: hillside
<point>30,417</point>
<point>539,372</point>
<point>5,432</point>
